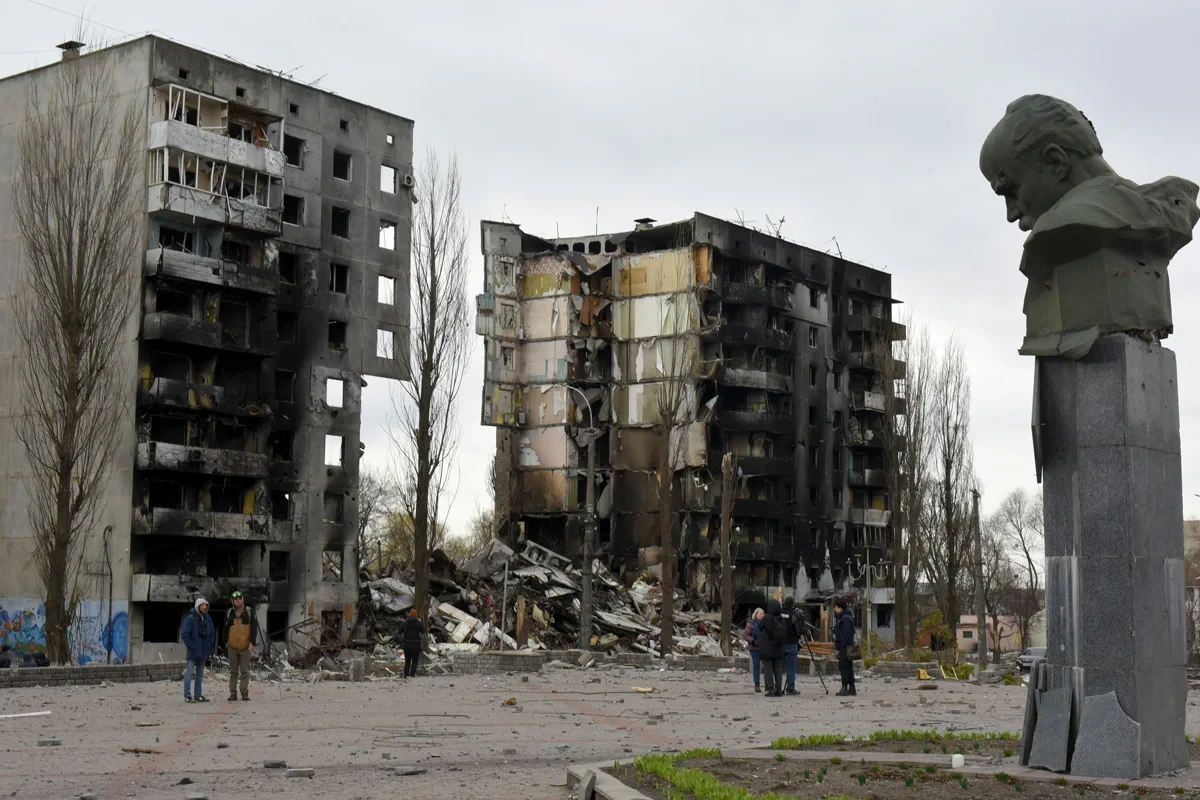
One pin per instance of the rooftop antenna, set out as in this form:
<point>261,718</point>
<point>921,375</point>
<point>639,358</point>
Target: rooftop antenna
<point>597,221</point>
<point>776,227</point>
<point>318,80</point>
<point>835,244</point>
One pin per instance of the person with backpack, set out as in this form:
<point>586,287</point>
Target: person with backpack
<point>750,635</point>
<point>791,642</point>
<point>772,636</point>
<point>843,643</point>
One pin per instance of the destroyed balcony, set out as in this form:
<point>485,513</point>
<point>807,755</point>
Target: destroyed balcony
<point>201,460</point>
<point>204,524</point>
<point>177,264</point>
<point>875,362</point>
<point>748,294</point>
<point>764,465</point>
<point>868,477</point>
<point>866,439</point>
<point>871,517</point>
<point>185,588</point>
<point>778,549</point>
<point>753,336</point>
<point>200,397</point>
<point>186,204</point>
<point>759,508</point>
<point>867,323</point>
<point>755,379</point>
<point>764,421</point>
<point>167,327</point>
<point>215,145</point>
<point>868,401</point>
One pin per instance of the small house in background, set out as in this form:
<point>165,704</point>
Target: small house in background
<point>1005,628</point>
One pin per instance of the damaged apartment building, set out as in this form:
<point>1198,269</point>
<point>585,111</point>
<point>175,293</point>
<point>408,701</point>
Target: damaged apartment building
<point>763,348</point>
<point>274,281</point>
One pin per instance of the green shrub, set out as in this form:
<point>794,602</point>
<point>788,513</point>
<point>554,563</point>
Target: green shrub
<point>869,662</point>
<point>780,757</point>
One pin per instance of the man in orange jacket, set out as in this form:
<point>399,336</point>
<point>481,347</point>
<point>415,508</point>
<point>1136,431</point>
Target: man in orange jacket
<point>241,632</point>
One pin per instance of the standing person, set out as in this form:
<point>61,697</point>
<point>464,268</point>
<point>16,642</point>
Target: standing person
<point>414,629</point>
<point>751,634</point>
<point>241,633</point>
<point>791,646</point>
<point>770,649</point>
<point>200,637</point>
<point>843,637</point>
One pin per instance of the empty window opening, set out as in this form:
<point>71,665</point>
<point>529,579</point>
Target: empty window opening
<point>223,562</point>
<point>287,327</point>
<point>281,505</point>
<point>387,179</point>
<point>812,336</point>
<point>277,565</point>
<point>387,291</point>
<point>814,298</point>
<point>161,623</point>
<point>609,247</point>
<point>281,445</point>
<point>577,247</point>
<point>337,335</point>
<point>387,234</point>
<point>334,450</point>
<point>171,430</point>
<point>344,124</point>
<point>288,263</point>
<point>837,381</point>
<point>837,459</point>
<point>331,564</point>
<point>837,498</point>
<point>285,385</point>
<point>293,209</point>
<point>235,323</point>
<point>331,628</point>
<point>293,149</point>
<point>812,376</point>
<point>341,165</point>
<point>837,303</point>
<point>391,139</point>
<point>241,92</point>
<point>277,625</point>
<point>813,413</point>
<point>166,494</point>
<point>293,108</point>
<point>339,278</point>
<point>228,497</point>
<point>594,248</point>
<point>814,496</point>
<point>385,344</point>
<point>334,392</point>
<point>238,252</point>
<point>340,222</point>
<point>173,301</point>
<point>230,436</point>
<point>508,358</point>
<point>332,507</point>
<point>174,239</point>
<point>183,74</point>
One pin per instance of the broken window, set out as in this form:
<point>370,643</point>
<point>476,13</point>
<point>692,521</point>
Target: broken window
<point>339,278</point>
<point>173,301</point>
<point>331,624</point>
<point>387,179</point>
<point>171,430</point>
<point>337,335</point>
<point>173,239</point>
<point>814,298</point>
<point>387,291</point>
<point>293,209</point>
<point>277,565</point>
<point>334,391</point>
<point>837,303</point>
<point>281,505</point>
<point>837,419</point>
<point>594,248</point>
<point>813,414</point>
<point>812,336</point>
<point>238,252</point>
<point>166,494</point>
<point>287,326</point>
<point>331,564</point>
<point>387,234</point>
<point>508,358</point>
<point>293,149</point>
<point>183,74</point>
<point>344,124</point>
<point>814,537</point>
<point>231,498</point>
<point>235,323</point>
<point>277,624</point>
<point>223,562</point>
<point>281,445</point>
<point>293,108</point>
<point>837,380</point>
<point>288,267</point>
<point>230,436</point>
<point>339,224</point>
<point>341,165</point>
<point>241,92</point>
<point>285,385</point>
<point>334,450</point>
<point>812,376</point>
<point>385,344</point>
<point>161,622</point>
<point>332,508</point>
<point>837,458</point>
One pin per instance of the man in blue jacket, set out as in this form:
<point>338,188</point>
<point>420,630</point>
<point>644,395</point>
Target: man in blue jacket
<point>200,637</point>
<point>843,637</point>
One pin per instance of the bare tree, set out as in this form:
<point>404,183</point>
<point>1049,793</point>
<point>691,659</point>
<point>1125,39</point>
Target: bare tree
<point>424,427</point>
<point>1018,523</point>
<point>76,202</point>
<point>377,498</point>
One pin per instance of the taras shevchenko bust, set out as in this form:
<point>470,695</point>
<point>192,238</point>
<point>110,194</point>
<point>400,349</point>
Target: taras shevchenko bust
<point>1098,247</point>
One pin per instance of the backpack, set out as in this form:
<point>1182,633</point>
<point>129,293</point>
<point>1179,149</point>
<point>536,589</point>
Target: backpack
<point>775,628</point>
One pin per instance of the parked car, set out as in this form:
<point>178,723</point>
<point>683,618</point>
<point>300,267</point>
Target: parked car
<point>1026,660</point>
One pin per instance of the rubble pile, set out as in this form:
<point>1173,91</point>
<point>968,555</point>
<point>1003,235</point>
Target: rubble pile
<point>504,600</point>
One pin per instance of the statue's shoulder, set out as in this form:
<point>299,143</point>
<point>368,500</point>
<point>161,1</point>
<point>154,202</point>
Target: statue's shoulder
<point>1110,211</point>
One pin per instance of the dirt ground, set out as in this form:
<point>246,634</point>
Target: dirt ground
<point>455,727</point>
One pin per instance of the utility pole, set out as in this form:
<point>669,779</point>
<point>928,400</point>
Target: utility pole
<point>728,475</point>
<point>980,610</point>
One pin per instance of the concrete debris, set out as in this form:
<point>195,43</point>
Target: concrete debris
<point>304,772</point>
<point>407,770</point>
<point>275,764</point>
<point>49,742</point>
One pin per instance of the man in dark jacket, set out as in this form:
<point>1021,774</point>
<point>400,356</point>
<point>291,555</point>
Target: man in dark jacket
<point>791,644</point>
<point>843,637</point>
<point>414,629</point>
<point>771,639</point>
<point>200,637</point>
<point>240,634</point>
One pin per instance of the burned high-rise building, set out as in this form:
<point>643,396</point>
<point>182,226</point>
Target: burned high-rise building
<point>274,278</point>
<point>759,347</point>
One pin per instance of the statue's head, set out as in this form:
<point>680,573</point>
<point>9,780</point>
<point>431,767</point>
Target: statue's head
<point>1033,155</point>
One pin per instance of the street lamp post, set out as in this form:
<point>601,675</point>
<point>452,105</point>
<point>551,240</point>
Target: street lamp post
<point>868,571</point>
<point>589,534</point>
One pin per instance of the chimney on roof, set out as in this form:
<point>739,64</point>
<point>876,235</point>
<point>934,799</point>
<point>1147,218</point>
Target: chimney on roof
<point>644,223</point>
<point>70,50</point>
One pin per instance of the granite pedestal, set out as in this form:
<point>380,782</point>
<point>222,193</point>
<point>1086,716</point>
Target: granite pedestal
<point>1109,699</point>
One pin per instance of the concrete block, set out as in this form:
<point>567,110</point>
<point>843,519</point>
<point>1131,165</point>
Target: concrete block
<point>587,786</point>
<point>358,670</point>
<point>1109,742</point>
<point>398,770</point>
<point>303,772</point>
<point>1051,735</point>
<point>275,764</point>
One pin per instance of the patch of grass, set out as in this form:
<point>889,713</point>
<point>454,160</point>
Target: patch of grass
<point>1123,787</point>
<point>1060,781</point>
<point>930,769</point>
<point>910,781</point>
<point>927,750</point>
<point>1008,751</point>
<point>835,761</point>
<point>962,783</point>
<point>862,779</point>
<point>901,749</point>
<point>1003,777</point>
<point>807,774</point>
<point>1010,679</point>
<point>815,740</point>
<point>1179,790</point>
<point>780,757</point>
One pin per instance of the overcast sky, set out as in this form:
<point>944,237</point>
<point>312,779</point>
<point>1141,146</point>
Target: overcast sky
<point>864,126</point>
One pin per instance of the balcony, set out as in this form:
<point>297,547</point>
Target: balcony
<point>759,508</point>
<point>212,271</point>
<point>866,323</point>
<point>204,524</point>
<point>200,396</point>
<point>746,294</point>
<point>201,460</point>
<point>867,438</point>
<point>871,517</point>
<point>763,465</point>
<point>868,477</point>
<point>164,326</point>
<point>868,401</point>
<point>186,204</point>
<point>755,379</point>
<point>753,336</point>
<point>778,548</point>
<point>216,146</point>
<point>185,588</point>
<point>754,421</point>
<point>875,362</point>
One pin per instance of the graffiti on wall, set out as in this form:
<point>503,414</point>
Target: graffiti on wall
<point>96,636</point>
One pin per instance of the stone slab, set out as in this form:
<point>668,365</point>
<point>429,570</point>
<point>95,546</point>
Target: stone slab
<point>1051,736</point>
<point>1030,723</point>
<point>1109,742</point>
<point>303,772</point>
